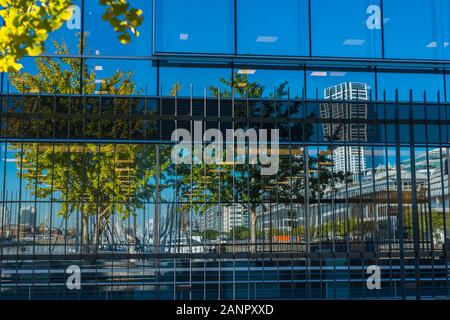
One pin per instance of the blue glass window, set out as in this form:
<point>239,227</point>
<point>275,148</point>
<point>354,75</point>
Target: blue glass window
<point>101,39</point>
<point>180,81</point>
<point>404,82</point>
<point>199,26</point>
<point>69,35</point>
<point>45,82</point>
<point>318,81</point>
<point>139,73</point>
<point>417,29</point>
<point>447,89</point>
<point>350,28</point>
<point>273,28</point>
<point>272,83</point>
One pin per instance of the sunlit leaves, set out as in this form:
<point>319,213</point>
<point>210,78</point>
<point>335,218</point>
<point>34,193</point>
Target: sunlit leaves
<point>123,19</point>
<point>26,27</point>
<point>28,23</point>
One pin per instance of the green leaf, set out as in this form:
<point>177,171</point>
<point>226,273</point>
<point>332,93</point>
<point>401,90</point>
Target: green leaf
<point>124,38</point>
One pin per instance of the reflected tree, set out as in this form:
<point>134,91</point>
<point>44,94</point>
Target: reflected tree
<point>206,185</point>
<point>97,180</point>
<point>240,86</point>
<point>63,76</point>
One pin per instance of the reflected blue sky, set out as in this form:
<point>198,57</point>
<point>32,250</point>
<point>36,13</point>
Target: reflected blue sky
<point>144,74</point>
<point>412,29</point>
<point>404,82</point>
<point>339,28</point>
<point>197,80</point>
<point>417,29</point>
<point>69,33</point>
<point>102,40</point>
<point>195,26</point>
<point>273,28</point>
<point>317,80</point>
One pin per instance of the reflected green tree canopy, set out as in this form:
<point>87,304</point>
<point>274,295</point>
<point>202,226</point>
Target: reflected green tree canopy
<point>95,179</point>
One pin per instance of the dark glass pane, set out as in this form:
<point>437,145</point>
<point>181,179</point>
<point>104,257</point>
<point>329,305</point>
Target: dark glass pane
<point>419,84</point>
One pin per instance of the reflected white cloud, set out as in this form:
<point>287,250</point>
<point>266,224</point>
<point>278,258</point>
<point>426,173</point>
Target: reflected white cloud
<point>435,44</point>
<point>338,74</point>
<point>246,71</point>
<point>353,42</point>
<point>319,74</point>
<point>267,39</point>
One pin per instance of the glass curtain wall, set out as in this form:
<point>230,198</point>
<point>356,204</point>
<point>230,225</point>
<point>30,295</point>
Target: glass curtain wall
<point>87,170</point>
<point>348,181</point>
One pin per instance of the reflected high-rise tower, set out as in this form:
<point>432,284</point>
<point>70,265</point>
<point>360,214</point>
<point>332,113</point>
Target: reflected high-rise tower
<point>352,158</point>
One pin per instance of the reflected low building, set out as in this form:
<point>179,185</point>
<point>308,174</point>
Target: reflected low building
<point>223,218</point>
<point>281,219</point>
<point>376,197</point>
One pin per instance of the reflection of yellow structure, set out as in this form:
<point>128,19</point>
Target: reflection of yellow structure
<point>281,151</point>
<point>124,167</point>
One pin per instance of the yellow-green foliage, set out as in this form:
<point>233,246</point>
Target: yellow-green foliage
<point>26,27</point>
<point>122,18</point>
<point>27,24</point>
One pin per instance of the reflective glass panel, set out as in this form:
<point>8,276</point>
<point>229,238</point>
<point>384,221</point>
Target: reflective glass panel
<point>202,81</point>
<point>66,40</point>
<point>273,28</point>
<point>101,39</point>
<point>404,82</point>
<point>200,26</point>
<point>417,29</point>
<point>255,83</point>
<point>319,81</point>
<point>46,75</point>
<point>129,77</point>
<point>348,28</point>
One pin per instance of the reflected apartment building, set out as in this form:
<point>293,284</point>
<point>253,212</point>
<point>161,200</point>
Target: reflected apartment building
<point>223,219</point>
<point>347,159</point>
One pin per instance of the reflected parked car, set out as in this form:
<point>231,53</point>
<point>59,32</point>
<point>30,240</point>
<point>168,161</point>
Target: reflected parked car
<point>193,246</point>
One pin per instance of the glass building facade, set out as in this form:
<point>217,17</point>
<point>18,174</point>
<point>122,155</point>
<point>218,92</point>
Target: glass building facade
<point>357,90</point>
